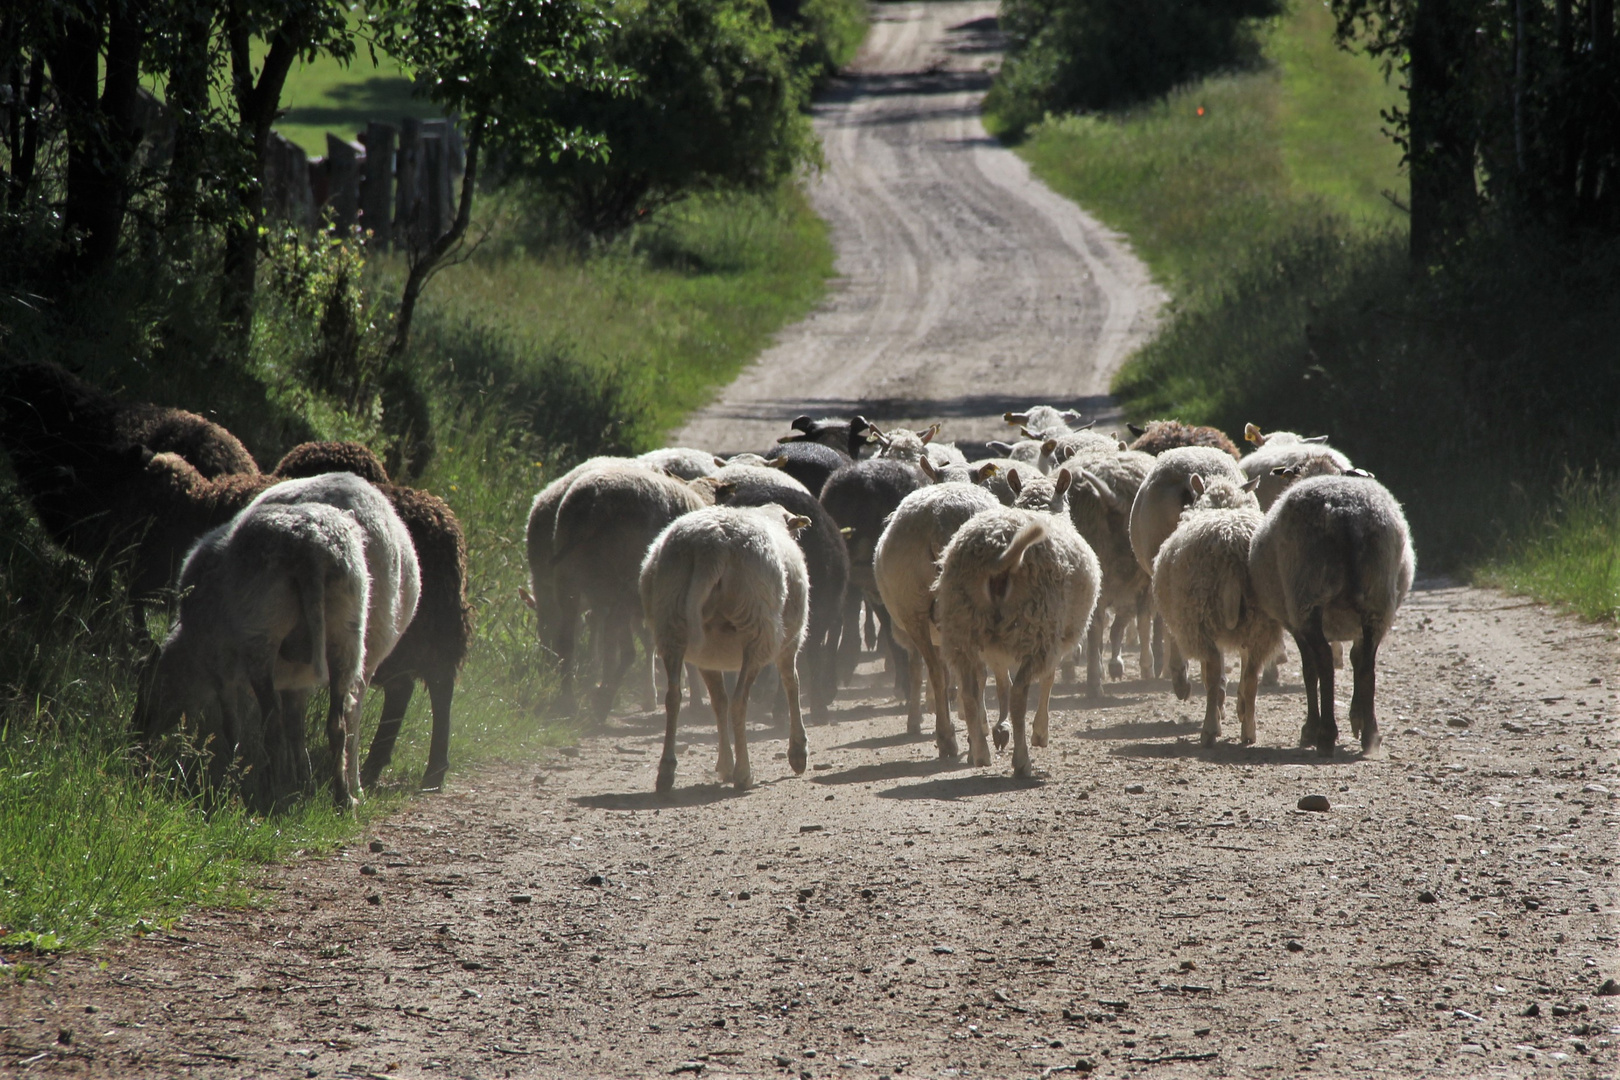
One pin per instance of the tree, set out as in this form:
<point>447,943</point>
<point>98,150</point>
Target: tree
<point>503,66</point>
<point>716,102</point>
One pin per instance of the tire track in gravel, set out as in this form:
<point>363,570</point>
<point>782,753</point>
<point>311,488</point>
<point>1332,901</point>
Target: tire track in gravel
<point>966,287</point>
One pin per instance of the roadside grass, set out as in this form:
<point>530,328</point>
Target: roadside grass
<point>95,841</point>
<point>1571,554</point>
<point>1470,389</point>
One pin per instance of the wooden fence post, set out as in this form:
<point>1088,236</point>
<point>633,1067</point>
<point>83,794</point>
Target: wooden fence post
<point>407,202</point>
<point>343,181</point>
<point>377,189</point>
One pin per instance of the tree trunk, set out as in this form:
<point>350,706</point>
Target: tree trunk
<point>423,267</point>
<point>256,105</point>
<point>1441,150</point>
<point>188,101</point>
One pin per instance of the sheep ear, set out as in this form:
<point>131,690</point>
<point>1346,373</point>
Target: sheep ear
<point>1362,473</point>
<point>1123,445</point>
<point>1016,419</point>
<point>1316,439</point>
<point>795,437</point>
<point>1028,434</point>
<point>928,436</point>
<point>1290,470</point>
<point>797,523</point>
<point>803,423</point>
<point>1072,415</point>
<point>1138,432</point>
<point>1252,484</point>
<point>986,471</point>
<point>1100,486</point>
<point>1196,482</point>
<point>929,470</point>
<point>1014,481</point>
<point>722,488</point>
<point>1088,425</point>
<point>847,531</point>
<point>776,463</point>
<point>527,597</point>
<point>720,463</point>
<point>1064,479</point>
<point>1049,447</point>
<point>1251,433</point>
<point>1001,449</point>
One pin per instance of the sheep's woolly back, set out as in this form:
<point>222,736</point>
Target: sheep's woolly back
<point>810,463</point>
<point>437,640</point>
<point>1312,459</point>
<point>1161,435</point>
<point>908,553</point>
<point>681,462</point>
<point>1335,543</point>
<point>1015,586</point>
<point>1078,446</point>
<point>1165,492</point>
<point>1106,523</point>
<point>755,476</point>
<point>315,458</point>
<point>1201,579</point>
<point>604,524</point>
<point>999,486</point>
<point>901,444</point>
<point>725,582</point>
<point>1221,493</point>
<point>1047,419</point>
<point>543,520</point>
<point>860,496</point>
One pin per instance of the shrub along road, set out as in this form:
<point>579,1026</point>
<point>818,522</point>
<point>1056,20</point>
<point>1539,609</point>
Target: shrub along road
<point>1148,907</point>
<point>967,288</point>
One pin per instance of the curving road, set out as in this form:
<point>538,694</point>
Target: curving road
<point>965,286</point>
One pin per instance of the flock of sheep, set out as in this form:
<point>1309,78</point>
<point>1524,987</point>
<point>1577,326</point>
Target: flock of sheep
<point>1006,567</point>
<point>323,574</point>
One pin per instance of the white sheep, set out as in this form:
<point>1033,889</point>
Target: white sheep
<point>1016,591</point>
<point>273,606</point>
<point>681,462</point>
<point>1333,561</point>
<point>905,564</point>
<point>1201,586</point>
<point>1283,450</point>
<point>726,588</point>
<point>1100,507</point>
<point>1025,450</point>
<point>1046,418</point>
<point>604,524</point>
<point>1076,446</point>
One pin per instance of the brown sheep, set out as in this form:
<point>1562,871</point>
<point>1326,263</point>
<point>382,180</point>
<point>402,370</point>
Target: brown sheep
<point>1161,435</point>
<point>315,458</point>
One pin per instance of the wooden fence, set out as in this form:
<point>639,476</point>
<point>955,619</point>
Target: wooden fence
<point>397,182</point>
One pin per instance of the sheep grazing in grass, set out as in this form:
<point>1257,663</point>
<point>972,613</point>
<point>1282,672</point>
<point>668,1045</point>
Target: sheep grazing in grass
<point>826,560</point>
<point>1156,510</point>
<point>809,463</point>
<point>275,607</point>
<point>1201,586</point>
<point>1161,435</point>
<point>53,417</point>
<point>905,564</point>
<point>860,497</point>
<point>604,524</point>
<point>1100,507</point>
<point>1047,419</point>
<point>1016,590</point>
<point>848,436</point>
<point>726,588</point>
<point>254,610</point>
<point>681,462</point>
<point>1333,561</point>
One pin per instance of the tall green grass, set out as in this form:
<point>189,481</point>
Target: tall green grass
<point>1570,554</point>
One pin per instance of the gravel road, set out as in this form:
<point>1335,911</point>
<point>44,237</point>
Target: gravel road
<point>1149,907</point>
<point>966,287</point>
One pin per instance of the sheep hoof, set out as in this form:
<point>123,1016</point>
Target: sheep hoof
<point>666,775</point>
<point>1325,746</point>
<point>1182,685</point>
<point>742,777</point>
<point>798,757</point>
<point>948,750</point>
<point>1270,677</point>
<point>1116,669</point>
<point>1207,737</point>
<point>913,726</point>
<point>1038,739</point>
<point>1305,736</point>
<point>1001,733</point>
<point>1249,739</point>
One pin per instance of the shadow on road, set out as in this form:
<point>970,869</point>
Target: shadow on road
<point>1229,753</point>
<point>886,770</point>
<point>1158,729</point>
<point>950,789</point>
<point>697,795</point>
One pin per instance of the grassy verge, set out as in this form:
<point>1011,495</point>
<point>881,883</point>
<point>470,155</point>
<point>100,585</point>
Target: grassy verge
<point>94,841</point>
<point>1294,306</point>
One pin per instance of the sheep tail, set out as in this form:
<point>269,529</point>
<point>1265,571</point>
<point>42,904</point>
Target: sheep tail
<point>704,576</point>
<point>310,584</point>
<point>1012,558</point>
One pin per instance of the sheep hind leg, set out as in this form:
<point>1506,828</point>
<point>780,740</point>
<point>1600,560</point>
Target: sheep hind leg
<point>1248,690</point>
<point>1116,646</point>
<point>715,683</point>
<point>1214,670</point>
<point>441,688</point>
<point>1094,638</point>
<point>648,669</point>
<point>618,654</point>
<point>1158,648</point>
<point>742,775</point>
<point>672,712</point>
<point>1176,667</point>
<point>1144,645</point>
<point>787,669</point>
<point>970,680</point>
<point>342,716</point>
<point>1020,703</point>
<point>1325,734</point>
<point>939,688</point>
<point>397,689</point>
<point>1363,661</point>
<point>1307,672</point>
<point>1003,730</point>
<point>914,695</point>
<point>1038,737</point>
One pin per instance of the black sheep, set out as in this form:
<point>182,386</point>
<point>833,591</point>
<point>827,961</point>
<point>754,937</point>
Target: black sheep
<point>848,436</point>
<point>810,463</point>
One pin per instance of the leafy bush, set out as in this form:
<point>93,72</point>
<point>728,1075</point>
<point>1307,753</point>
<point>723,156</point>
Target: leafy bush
<point>832,30</point>
<point>717,104</point>
<point>1067,55</point>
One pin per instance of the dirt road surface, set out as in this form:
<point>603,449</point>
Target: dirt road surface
<point>1147,908</point>
<point>966,287</point>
